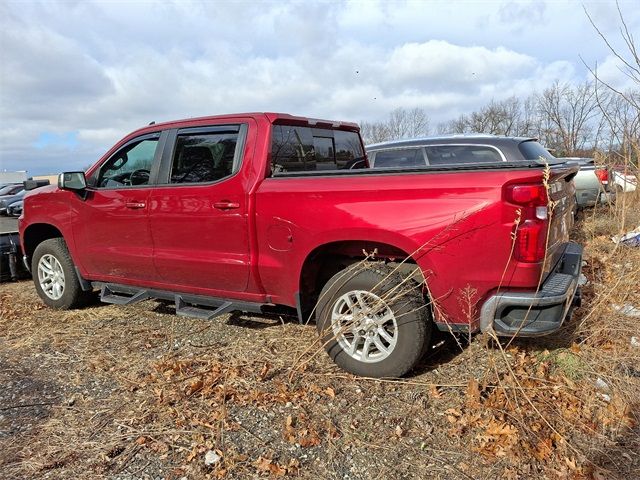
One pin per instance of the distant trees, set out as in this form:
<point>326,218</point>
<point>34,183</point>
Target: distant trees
<point>507,117</point>
<point>401,123</point>
<point>568,111</point>
<point>573,120</point>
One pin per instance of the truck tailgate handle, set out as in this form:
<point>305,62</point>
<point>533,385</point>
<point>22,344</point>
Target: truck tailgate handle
<point>135,204</point>
<point>226,205</point>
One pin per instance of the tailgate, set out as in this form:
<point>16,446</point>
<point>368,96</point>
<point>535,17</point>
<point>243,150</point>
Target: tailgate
<point>561,191</point>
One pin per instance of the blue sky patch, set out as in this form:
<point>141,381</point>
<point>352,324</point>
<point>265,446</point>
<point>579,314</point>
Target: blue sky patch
<point>67,140</point>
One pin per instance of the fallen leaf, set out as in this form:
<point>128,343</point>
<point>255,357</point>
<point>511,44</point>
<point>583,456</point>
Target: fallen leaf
<point>194,387</point>
<point>543,449</point>
<point>434,392</point>
<point>263,464</point>
<point>264,371</point>
<point>453,415</point>
<point>498,429</point>
<point>473,393</point>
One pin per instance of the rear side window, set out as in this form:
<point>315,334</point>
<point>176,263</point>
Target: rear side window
<point>461,154</point>
<point>405,157</point>
<point>204,157</point>
<point>307,149</point>
<point>532,150</point>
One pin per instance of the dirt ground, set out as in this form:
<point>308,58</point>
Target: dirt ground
<point>138,393</point>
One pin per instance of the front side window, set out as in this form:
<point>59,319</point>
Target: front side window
<point>401,157</point>
<point>307,149</point>
<point>204,157</point>
<point>130,166</point>
<point>462,154</point>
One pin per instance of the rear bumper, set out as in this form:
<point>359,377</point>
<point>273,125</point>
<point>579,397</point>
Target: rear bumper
<point>589,197</point>
<point>538,313</point>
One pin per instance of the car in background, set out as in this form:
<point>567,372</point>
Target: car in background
<point>15,209</point>
<point>448,150</point>
<point>6,200</point>
<point>10,189</point>
<point>623,180</point>
<point>592,183</point>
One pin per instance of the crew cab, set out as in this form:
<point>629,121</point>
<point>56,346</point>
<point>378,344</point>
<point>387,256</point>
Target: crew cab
<point>264,211</point>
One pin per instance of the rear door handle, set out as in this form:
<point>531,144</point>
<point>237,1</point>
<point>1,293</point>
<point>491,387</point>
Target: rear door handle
<point>226,205</point>
<point>135,205</point>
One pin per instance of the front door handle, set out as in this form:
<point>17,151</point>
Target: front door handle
<point>135,205</point>
<point>226,205</point>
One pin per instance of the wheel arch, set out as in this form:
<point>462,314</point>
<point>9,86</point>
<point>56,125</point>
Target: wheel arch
<point>327,259</point>
<point>37,233</point>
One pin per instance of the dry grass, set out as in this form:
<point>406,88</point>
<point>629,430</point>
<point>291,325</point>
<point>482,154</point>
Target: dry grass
<point>136,392</point>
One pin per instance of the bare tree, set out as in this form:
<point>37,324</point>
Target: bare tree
<point>401,123</point>
<point>569,111</point>
<point>621,108</point>
<point>408,123</point>
<point>374,132</point>
<point>505,117</point>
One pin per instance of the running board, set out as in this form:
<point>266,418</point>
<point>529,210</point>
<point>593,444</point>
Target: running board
<point>107,295</point>
<point>187,305</point>
<point>185,309</point>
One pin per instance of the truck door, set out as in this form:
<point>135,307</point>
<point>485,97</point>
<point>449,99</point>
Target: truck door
<point>112,233</point>
<point>198,217</point>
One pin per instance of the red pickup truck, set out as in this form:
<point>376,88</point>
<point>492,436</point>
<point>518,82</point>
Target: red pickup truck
<point>261,211</point>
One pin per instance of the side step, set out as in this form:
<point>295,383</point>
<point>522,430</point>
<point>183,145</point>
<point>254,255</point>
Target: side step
<point>187,305</point>
<point>185,309</point>
<point>120,298</point>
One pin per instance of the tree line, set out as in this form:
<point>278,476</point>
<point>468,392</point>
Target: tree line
<point>572,120</point>
<point>587,119</point>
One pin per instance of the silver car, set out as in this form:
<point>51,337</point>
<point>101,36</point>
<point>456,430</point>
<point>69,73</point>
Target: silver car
<point>592,183</point>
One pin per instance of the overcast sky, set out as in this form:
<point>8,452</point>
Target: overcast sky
<point>76,76</point>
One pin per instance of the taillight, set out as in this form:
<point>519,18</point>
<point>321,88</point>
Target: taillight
<point>527,195</point>
<point>602,174</point>
<point>531,240</point>
<point>531,233</point>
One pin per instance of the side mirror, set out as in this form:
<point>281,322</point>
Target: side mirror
<point>72,181</point>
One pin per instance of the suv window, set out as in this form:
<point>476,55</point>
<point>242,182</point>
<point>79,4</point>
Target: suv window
<point>456,154</point>
<point>204,157</point>
<point>532,150</point>
<point>130,166</point>
<point>307,149</point>
<point>401,157</point>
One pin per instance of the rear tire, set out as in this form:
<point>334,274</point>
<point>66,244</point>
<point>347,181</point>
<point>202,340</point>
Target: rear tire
<point>55,277</point>
<point>372,325</point>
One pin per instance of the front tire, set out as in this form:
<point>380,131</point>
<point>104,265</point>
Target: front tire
<point>373,322</point>
<point>55,277</point>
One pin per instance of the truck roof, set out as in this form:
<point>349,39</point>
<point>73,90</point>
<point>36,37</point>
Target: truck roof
<point>272,117</point>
